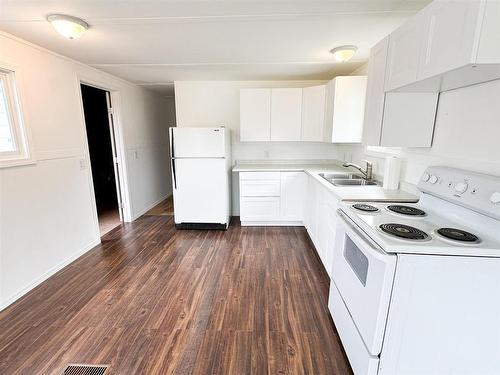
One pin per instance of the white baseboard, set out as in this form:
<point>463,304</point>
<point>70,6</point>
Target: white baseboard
<point>142,212</point>
<point>13,298</point>
<point>272,224</point>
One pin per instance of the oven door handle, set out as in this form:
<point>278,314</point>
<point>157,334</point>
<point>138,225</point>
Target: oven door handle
<point>364,242</point>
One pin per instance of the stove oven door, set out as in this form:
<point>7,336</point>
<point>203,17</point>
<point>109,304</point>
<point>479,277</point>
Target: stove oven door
<point>363,274</point>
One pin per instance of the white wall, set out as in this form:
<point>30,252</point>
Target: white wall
<point>47,210</point>
<point>200,103</point>
<point>467,135</point>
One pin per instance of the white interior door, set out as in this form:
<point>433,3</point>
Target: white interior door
<point>114,150</point>
<point>200,190</point>
<point>197,142</point>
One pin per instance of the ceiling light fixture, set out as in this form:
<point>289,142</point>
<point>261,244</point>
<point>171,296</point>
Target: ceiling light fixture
<point>68,26</point>
<point>343,53</point>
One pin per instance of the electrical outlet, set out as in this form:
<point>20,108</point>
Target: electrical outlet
<point>83,164</point>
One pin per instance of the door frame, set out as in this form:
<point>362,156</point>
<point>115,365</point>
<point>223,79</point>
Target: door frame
<point>115,98</point>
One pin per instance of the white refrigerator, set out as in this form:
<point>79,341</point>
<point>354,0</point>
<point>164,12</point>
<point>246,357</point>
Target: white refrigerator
<point>201,171</point>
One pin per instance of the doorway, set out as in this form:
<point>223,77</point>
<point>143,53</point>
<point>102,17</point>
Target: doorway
<point>101,138</point>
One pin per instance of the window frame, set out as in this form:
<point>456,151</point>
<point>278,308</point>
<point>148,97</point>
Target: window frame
<point>20,133</point>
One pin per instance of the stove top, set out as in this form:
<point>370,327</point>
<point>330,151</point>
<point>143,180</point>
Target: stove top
<point>404,231</point>
<point>429,227</point>
<point>459,235</point>
<point>406,210</point>
<point>365,207</point>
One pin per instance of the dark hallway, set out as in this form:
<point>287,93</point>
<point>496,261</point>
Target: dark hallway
<point>101,156</point>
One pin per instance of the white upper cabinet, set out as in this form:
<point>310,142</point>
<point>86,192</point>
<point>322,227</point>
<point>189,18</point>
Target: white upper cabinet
<point>333,113</point>
<point>255,115</point>
<point>452,37</point>
<point>409,119</point>
<point>286,114</point>
<point>447,45</point>
<point>375,93</point>
<point>344,109</point>
<point>489,50</point>
<point>395,119</point>
<point>404,54</point>
<point>313,113</point>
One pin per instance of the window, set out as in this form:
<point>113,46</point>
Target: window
<point>14,148</point>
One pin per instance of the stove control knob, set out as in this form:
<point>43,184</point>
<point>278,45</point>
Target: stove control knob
<point>461,187</point>
<point>433,179</point>
<point>495,198</point>
<point>425,177</point>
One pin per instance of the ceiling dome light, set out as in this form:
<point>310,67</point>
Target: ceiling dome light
<point>68,26</point>
<point>343,53</point>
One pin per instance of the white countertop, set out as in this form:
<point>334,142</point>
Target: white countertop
<point>346,193</point>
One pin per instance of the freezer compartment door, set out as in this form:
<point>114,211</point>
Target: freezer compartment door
<point>197,142</point>
<point>201,191</point>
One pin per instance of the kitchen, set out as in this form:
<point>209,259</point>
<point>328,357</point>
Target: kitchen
<point>322,223</point>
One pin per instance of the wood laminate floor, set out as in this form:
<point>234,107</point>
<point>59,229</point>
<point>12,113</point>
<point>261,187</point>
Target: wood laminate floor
<point>153,300</point>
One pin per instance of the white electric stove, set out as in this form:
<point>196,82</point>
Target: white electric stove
<point>416,287</point>
<point>458,214</point>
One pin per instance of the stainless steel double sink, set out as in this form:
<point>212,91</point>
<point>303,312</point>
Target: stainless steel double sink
<point>347,179</point>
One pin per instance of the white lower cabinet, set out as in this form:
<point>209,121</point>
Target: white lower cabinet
<point>291,198</point>
<point>331,228</point>
<point>259,209</point>
<point>272,198</point>
<point>311,222</point>
<point>320,220</point>
<point>293,187</point>
<point>322,228</point>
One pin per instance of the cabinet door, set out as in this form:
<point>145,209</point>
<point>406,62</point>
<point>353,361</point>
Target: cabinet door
<point>332,205</point>
<point>323,229</point>
<point>329,103</point>
<point>452,36</point>
<point>409,119</point>
<point>259,208</point>
<point>259,188</point>
<point>348,109</point>
<point>286,114</point>
<point>375,93</point>
<point>404,53</point>
<point>313,113</point>
<point>311,208</point>
<point>255,115</point>
<point>293,191</point>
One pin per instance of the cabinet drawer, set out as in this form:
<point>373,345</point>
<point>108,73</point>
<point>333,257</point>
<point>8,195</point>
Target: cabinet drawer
<point>260,175</point>
<point>259,208</point>
<point>360,360</point>
<point>260,188</point>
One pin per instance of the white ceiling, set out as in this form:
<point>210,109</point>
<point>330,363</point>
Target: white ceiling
<point>154,42</point>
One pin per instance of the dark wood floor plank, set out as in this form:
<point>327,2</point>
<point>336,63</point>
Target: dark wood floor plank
<point>153,300</point>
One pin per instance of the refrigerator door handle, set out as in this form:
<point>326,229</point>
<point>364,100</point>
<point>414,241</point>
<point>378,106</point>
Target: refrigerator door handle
<point>173,173</point>
<point>172,153</point>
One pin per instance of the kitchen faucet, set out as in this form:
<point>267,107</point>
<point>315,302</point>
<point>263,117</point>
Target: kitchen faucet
<point>368,172</point>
